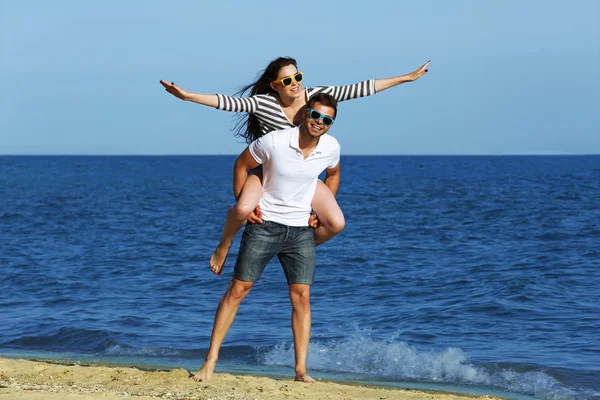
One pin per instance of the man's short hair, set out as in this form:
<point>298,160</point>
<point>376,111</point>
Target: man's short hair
<point>325,99</point>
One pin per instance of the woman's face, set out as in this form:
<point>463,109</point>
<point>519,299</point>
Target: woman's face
<point>294,89</point>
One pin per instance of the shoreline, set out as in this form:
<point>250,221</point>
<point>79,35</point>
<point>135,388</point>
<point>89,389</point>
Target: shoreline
<point>61,379</point>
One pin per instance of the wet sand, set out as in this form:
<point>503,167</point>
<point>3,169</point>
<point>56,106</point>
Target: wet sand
<point>23,379</point>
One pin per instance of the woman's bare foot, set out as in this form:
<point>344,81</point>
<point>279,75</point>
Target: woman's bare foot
<point>217,260</point>
<point>306,378</point>
<point>205,372</point>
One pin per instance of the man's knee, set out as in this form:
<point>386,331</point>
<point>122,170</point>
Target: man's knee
<point>300,298</point>
<point>237,292</point>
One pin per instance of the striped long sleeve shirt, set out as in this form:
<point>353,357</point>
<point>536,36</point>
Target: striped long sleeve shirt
<point>270,114</point>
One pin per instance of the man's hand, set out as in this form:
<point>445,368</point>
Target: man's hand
<point>313,221</point>
<point>256,216</point>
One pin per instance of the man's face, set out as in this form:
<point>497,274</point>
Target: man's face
<point>314,122</point>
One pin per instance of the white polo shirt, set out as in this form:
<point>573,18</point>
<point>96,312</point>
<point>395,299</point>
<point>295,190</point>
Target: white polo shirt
<point>289,181</point>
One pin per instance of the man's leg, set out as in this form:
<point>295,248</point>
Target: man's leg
<point>298,261</point>
<point>260,242</point>
<point>226,311</point>
<point>301,323</point>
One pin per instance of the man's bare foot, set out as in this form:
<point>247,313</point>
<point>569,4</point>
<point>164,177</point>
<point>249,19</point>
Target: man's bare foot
<point>306,378</point>
<point>217,260</point>
<point>205,372</point>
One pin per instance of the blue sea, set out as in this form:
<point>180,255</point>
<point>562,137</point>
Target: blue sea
<point>469,274</point>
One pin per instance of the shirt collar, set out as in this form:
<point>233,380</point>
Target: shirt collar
<point>295,140</point>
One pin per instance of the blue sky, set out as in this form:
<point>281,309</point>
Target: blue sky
<point>506,77</point>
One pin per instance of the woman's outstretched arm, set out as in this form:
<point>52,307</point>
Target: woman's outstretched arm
<point>219,101</point>
<point>210,100</point>
<point>369,87</point>
<point>386,83</point>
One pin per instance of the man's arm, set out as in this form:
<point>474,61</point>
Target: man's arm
<point>332,178</point>
<point>332,181</point>
<point>244,163</point>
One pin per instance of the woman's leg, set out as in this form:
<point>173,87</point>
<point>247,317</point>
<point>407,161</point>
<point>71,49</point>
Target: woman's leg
<point>330,215</point>
<point>236,217</point>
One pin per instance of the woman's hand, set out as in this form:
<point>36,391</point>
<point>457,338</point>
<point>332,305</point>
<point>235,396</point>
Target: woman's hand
<point>174,90</point>
<point>386,83</point>
<point>256,216</point>
<point>416,74</point>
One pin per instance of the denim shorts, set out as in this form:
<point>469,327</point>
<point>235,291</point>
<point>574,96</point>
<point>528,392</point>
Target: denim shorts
<point>294,246</point>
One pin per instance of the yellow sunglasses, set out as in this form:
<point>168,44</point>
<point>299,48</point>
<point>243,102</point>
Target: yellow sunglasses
<point>287,80</point>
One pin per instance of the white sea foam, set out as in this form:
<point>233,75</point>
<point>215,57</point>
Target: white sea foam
<point>133,351</point>
<point>394,359</point>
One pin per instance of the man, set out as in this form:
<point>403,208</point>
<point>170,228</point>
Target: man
<point>292,161</point>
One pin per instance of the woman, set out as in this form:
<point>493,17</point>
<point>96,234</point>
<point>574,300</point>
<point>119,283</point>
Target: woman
<point>277,101</point>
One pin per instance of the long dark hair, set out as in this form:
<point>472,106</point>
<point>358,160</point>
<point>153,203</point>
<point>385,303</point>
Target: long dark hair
<point>247,125</point>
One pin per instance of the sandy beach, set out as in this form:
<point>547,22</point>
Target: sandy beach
<point>24,379</point>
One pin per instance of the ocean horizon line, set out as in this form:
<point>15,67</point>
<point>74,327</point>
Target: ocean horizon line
<point>352,155</point>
